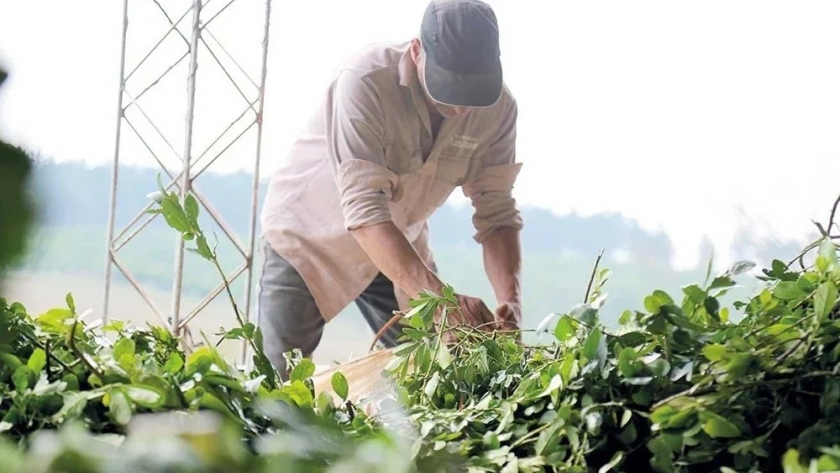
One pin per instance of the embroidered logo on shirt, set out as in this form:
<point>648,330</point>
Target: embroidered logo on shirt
<point>464,142</point>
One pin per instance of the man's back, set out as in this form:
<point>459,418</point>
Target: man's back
<point>400,127</point>
<point>367,155</point>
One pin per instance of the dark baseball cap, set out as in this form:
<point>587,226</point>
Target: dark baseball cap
<point>461,41</point>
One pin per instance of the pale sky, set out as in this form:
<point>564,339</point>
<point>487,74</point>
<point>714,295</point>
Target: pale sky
<point>677,114</point>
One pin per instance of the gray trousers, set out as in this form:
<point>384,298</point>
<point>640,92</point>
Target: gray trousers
<point>289,318</point>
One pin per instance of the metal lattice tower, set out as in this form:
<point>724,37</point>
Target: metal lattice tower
<point>186,52</point>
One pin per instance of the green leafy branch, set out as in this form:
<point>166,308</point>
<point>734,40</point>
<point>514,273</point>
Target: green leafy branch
<point>183,217</point>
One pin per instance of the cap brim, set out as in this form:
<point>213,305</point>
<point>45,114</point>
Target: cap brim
<point>463,90</point>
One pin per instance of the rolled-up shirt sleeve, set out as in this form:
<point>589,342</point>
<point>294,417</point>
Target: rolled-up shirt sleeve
<point>354,131</point>
<point>491,189</point>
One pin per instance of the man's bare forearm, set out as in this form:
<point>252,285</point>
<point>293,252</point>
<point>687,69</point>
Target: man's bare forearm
<point>503,264</point>
<point>394,255</point>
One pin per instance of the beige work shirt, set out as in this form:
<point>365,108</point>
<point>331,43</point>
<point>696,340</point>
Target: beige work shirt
<point>366,157</point>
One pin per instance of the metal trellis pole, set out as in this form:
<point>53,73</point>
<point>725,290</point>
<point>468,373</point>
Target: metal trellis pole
<point>112,206</point>
<point>185,181</point>
<point>175,314</point>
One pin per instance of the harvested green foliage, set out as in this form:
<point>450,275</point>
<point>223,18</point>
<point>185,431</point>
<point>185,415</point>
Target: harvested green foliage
<point>686,385</point>
<point>679,387</point>
<point>54,370</point>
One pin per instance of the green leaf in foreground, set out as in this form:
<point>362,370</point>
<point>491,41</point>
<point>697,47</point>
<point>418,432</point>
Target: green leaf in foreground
<point>718,427</point>
<point>37,361</point>
<point>23,378</point>
<point>124,347</point>
<point>564,330</point>
<point>825,299</point>
<point>304,369</point>
<point>192,209</point>
<point>789,290</point>
<point>828,250</point>
<point>739,268</point>
<point>119,406</point>
<point>339,385</point>
<point>590,346</point>
<point>144,395</point>
<point>175,215</point>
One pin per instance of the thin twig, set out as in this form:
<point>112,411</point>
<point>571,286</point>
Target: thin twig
<point>530,436</point>
<point>804,252</point>
<point>586,297</point>
<point>833,213</point>
<point>35,342</point>
<point>826,233</point>
<point>698,390</point>
<point>227,289</point>
<point>397,316</point>
<point>71,340</point>
<point>592,276</point>
<point>485,324</point>
<point>755,331</point>
<point>820,228</point>
<point>239,319</point>
<point>470,328</point>
<point>47,352</point>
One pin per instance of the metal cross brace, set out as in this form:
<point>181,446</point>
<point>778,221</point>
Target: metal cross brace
<point>184,179</point>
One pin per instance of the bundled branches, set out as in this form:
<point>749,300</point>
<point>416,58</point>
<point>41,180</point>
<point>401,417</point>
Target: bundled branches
<point>684,385</point>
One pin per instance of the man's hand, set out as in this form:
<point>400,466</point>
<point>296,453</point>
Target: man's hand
<point>475,313</point>
<point>471,311</point>
<point>509,316</point>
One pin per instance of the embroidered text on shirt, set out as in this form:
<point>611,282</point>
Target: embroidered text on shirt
<point>464,142</point>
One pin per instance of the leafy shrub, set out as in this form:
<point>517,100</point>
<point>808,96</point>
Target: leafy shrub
<point>686,385</point>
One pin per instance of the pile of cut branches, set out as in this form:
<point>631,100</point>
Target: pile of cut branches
<point>685,385</point>
<point>679,387</point>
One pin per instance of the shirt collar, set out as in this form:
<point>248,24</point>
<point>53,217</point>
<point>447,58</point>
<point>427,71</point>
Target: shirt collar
<point>407,72</point>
